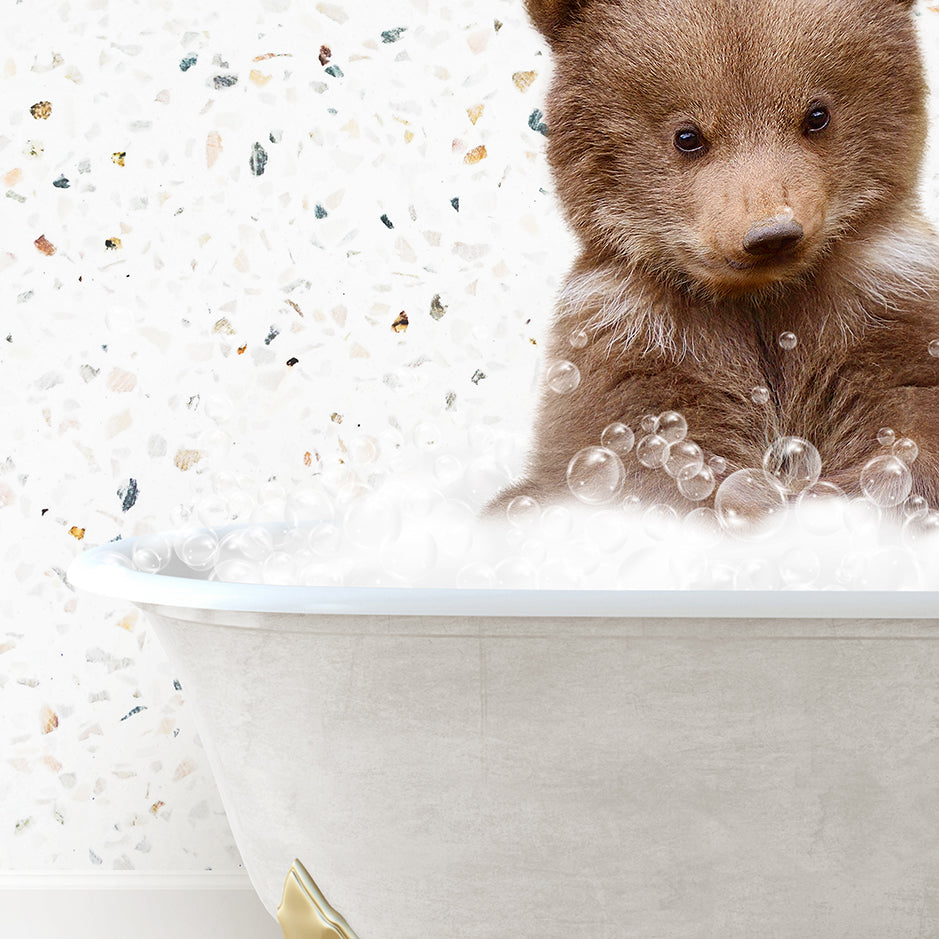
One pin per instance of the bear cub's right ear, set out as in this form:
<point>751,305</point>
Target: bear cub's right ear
<point>550,16</point>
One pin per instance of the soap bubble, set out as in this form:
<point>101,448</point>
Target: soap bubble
<point>893,567</point>
<point>718,464</point>
<point>516,573</point>
<point>749,505</point>
<point>319,574</point>
<point>906,450</point>
<point>760,394</point>
<point>212,511</point>
<point>684,458</point>
<point>240,504</point>
<point>659,521</point>
<point>862,517</point>
<point>413,556</point>
<point>886,436</point>
<point>820,508</point>
<point>607,530</point>
<point>426,436</point>
<point>198,549</point>
<point>476,575</point>
<point>448,470</point>
<point>523,511</point>
<point>563,377</point>
<point>799,567</point>
<point>237,571</point>
<point>595,475</point>
<point>152,553</point>
<point>618,437</point>
<point>557,521</point>
<point>324,539</point>
<point>788,341</point>
<point>915,507</point>
<point>252,543</point>
<point>792,463</point>
<point>652,451</point>
<point>279,567</point>
<point>484,477</point>
<point>755,573</point>
<point>703,526</point>
<point>271,510</point>
<point>649,423</point>
<point>454,526</point>
<point>371,521</point>
<point>181,515</point>
<point>672,426</point>
<point>852,571</point>
<point>696,484</point>
<point>886,481</point>
<point>934,348</point>
<point>308,503</point>
<point>117,559</point>
<point>579,338</point>
<point>363,449</point>
<point>922,529</point>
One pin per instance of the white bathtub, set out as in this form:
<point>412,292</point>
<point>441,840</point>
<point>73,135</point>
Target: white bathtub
<point>555,764</point>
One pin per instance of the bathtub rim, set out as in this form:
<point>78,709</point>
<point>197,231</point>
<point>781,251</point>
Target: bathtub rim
<point>91,572</point>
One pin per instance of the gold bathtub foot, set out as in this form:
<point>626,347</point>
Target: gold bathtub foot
<point>304,912</point>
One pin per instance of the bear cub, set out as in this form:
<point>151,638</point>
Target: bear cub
<point>741,175</point>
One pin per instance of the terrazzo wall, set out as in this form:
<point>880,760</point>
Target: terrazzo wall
<point>240,245</point>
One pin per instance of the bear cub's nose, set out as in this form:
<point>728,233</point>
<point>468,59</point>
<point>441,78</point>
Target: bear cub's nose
<point>773,236</point>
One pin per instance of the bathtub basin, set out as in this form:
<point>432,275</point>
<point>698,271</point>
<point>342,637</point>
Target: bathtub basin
<point>548,764</point>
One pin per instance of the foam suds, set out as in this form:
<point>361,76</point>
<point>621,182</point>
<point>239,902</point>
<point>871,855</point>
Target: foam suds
<point>772,527</point>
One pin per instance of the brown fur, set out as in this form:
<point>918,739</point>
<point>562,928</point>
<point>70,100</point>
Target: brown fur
<point>679,315</point>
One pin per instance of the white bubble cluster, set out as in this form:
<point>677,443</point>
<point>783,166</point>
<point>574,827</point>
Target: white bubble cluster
<point>777,525</point>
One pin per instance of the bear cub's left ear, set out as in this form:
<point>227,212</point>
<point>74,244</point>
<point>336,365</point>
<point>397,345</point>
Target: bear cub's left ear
<point>550,16</point>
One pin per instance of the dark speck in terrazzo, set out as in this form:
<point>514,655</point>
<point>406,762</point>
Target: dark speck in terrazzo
<point>536,123</point>
<point>177,685</point>
<point>455,202</point>
<point>292,361</point>
<point>60,183</point>
<point>272,335</point>
<point>258,159</point>
<point>133,711</point>
<point>393,35</point>
<point>224,81</point>
<point>387,222</point>
<point>325,55</point>
<point>334,70</point>
<point>319,211</point>
<point>188,62</point>
<point>128,494</point>
<point>478,376</point>
<point>437,308</point>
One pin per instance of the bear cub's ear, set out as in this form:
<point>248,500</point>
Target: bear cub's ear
<point>550,16</point>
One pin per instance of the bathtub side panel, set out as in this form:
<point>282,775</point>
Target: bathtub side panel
<point>544,786</point>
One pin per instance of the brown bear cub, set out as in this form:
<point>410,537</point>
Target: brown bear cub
<point>742,177</point>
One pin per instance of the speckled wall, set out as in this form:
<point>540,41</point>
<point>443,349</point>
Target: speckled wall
<point>242,244</point>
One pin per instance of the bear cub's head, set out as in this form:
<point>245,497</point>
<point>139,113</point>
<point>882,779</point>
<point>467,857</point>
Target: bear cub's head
<point>726,146</point>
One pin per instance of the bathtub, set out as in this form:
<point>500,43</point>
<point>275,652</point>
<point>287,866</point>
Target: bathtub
<point>456,764</point>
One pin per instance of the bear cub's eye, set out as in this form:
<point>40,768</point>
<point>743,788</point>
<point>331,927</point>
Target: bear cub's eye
<point>816,119</point>
<point>690,140</point>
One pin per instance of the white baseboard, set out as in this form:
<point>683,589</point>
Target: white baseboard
<point>117,904</point>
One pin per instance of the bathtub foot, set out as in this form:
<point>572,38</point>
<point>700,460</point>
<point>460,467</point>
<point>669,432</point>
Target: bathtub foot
<point>304,912</point>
